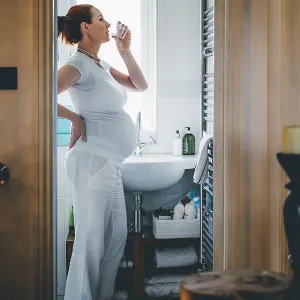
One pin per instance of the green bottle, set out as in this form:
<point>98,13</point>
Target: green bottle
<point>71,222</point>
<point>188,143</point>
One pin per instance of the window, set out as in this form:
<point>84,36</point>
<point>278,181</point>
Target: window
<point>140,16</point>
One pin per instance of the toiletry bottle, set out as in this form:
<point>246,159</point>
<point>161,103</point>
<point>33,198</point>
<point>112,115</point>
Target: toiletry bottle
<point>192,193</point>
<point>189,211</point>
<point>177,144</point>
<point>178,211</point>
<point>188,143</point>
<point>188,197</point>
<point>196,201</point>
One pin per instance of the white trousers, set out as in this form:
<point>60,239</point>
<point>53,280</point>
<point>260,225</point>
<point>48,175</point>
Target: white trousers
<point>100,226</point>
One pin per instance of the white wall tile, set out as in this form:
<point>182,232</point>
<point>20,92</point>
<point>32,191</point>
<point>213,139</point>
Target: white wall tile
<point>178,72</point>
<point>172,196</point>
<point>154,200</point>
<point>176,114</point>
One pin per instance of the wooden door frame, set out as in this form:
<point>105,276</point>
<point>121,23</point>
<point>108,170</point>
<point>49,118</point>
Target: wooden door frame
<point>229,216</point>
<point>46,41</point>
<point>219,68</point>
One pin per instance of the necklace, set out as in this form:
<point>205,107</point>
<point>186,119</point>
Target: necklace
<point>89,54</point>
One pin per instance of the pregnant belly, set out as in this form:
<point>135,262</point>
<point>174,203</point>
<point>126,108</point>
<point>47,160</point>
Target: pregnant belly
<point>118,134</point>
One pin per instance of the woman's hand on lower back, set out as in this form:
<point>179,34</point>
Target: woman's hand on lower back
<point>77,131</point>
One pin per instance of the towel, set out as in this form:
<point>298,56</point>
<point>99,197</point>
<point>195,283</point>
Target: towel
<point>201,168</point>
<point>162,290</point>
<point>176,257</point>
<point>162,279</point>
<point>120,295</point>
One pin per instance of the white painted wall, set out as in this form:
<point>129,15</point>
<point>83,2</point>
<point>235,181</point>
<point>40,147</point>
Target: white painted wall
<point>178,71</point>
<point>178,105</point>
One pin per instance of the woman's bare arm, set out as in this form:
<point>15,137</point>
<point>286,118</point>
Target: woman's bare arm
<point>135,81</point>
<point>67,76</point>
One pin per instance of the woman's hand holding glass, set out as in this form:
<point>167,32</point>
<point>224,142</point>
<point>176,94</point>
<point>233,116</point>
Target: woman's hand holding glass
<point>122,37</point>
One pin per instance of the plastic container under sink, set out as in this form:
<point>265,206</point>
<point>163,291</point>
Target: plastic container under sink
<point>175,229</point>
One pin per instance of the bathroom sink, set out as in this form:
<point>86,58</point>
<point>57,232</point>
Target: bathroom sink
<point>153,172</point>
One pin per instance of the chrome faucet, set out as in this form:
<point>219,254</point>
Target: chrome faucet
<point>140,147</point>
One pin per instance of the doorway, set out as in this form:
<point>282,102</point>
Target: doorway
<point>64,203</point>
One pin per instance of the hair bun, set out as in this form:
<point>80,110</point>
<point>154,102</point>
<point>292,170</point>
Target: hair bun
<point>61,22</point>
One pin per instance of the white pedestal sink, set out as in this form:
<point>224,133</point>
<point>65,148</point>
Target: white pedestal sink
<point>153,172</point>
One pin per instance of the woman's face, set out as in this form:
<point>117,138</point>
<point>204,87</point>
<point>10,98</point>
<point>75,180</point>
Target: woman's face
<point>99,29</point>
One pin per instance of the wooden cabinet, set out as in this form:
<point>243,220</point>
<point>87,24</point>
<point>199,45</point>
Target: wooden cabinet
<point>140,248</point>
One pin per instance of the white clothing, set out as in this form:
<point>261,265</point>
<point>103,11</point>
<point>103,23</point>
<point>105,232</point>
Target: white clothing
<point>99,99</point>
<point>100,226</point>
<point>93,168</point>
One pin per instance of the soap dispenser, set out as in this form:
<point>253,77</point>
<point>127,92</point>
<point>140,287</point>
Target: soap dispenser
<point>188,143</point>
<point>177,144</point>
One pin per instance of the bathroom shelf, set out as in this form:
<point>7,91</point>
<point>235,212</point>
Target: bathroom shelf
<point>174,270</point>
<point>148,252</point>
<point>140,248</point>
<point>149,238</point>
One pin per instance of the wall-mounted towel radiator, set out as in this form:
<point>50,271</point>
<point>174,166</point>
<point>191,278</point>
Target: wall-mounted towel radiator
<point>207,97</point>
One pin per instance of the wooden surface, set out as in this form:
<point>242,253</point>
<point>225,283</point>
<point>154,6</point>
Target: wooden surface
<point>219,179</point>
<point>257,84</point>
<point>236,285</point>
<point>26,148</point>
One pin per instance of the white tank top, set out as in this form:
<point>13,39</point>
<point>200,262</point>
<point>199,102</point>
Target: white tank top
<point>99,99</point>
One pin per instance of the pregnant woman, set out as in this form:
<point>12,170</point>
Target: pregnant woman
<point>102,136</point>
